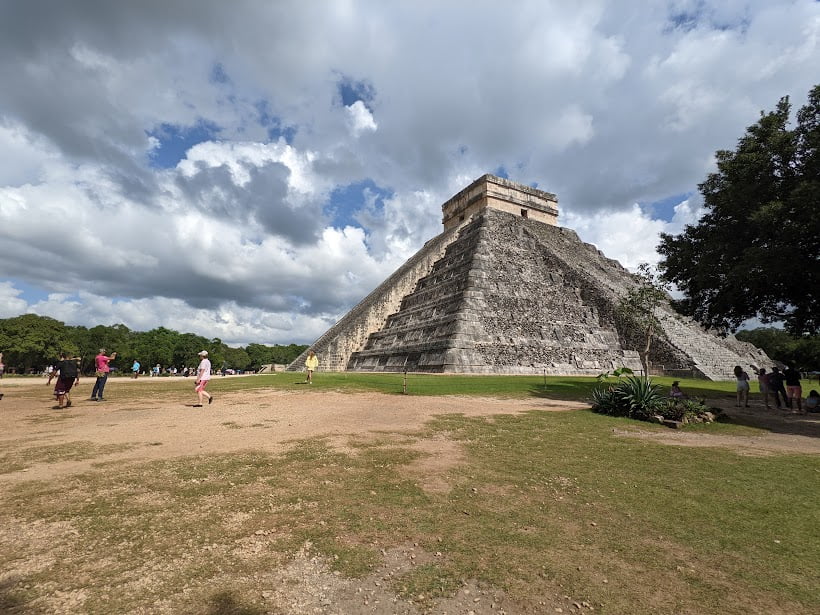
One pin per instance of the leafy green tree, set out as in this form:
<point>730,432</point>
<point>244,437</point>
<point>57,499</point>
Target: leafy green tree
<point>755,252</point>
<point>186,348</point>
<point>801,351</point>
<point>637,313</point>
<point>30,342</point>
<point>236,358</point>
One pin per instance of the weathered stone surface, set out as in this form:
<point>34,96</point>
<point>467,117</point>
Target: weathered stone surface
<point>508,294</point>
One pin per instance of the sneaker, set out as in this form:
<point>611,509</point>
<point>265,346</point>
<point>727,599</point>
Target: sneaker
<point>92,399</point>
<point>197,405</point>
<point>210,400</point>
<point>68,404</point>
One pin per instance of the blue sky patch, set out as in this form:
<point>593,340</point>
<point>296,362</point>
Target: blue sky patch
<point>273,124</point>
<point>347,201</point>
<point>351,90</point>
<point>175,141</point>
<point>664,209</point>
<point>218,74</point>
<point>30,293</point>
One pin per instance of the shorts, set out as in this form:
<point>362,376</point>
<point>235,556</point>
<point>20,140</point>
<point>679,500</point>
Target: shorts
<point>794,392</point>
<point>742,385</point>
<point>63,385</point>
<point>200,386</point>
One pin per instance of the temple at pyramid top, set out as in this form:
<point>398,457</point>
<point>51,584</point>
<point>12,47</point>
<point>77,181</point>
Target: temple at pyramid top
<point>492,192</point>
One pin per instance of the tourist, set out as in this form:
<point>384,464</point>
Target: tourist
<point>742,387</point>
<point>101,362</point>
<point>675,392</point>
<point>763,382</point>
<point>2,366</point>
<point>135,369</point>
<point>776,387</point>
<point>813,402</point>
<point>311,363</point>
<point>68,374</point>
<point>794,391</point>
<point>203,376</point>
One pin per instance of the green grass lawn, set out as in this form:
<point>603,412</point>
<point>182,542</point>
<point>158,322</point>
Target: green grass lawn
<point>544,505</point>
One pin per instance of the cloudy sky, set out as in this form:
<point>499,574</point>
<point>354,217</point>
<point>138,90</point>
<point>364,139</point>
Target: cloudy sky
<point>250,170</point>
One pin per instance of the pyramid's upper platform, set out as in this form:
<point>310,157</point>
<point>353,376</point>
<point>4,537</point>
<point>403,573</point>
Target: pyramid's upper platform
<point>492,192</point>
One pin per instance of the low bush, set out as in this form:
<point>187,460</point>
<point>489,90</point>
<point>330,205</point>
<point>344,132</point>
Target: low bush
<point>635,397</point>
<point>639,398</point>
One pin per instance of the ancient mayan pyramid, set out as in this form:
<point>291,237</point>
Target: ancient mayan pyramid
<point>504,290</point>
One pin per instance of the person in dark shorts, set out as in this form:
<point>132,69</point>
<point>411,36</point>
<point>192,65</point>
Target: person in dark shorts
<point>776,387</point>
<point>793,388</point>
<point>68,374</point>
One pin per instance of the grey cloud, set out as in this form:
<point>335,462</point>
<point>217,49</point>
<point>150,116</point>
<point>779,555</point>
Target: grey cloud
<point>262,199</point>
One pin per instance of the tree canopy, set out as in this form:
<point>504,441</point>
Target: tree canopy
<point>756,252</point>
<point>30,343</point>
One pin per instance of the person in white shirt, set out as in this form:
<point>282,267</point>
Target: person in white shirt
<point>203,375</point>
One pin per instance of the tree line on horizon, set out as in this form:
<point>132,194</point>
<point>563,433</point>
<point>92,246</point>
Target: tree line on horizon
<point>30,343</point>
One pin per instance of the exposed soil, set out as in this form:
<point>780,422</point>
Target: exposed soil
<point>155,428</point>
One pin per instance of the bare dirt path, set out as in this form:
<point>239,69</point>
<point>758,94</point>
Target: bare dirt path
<point>155,428</point>
<point>152,428</point>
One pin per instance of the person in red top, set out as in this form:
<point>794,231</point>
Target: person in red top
<point>101,365</point>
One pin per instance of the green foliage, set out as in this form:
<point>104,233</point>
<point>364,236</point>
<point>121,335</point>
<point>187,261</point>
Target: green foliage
<point>637,313</point>
<point>617,373</point>
<point>30,343</point>
<point>686,410</point>
<point>635,397</point>
<point>265,355</point>
<point>755,252</point>
<point>801,351</point>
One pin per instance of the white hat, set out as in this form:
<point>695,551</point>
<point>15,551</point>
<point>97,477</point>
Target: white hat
<point>203,353</point>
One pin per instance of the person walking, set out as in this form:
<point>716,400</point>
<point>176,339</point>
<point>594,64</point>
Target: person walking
<point>101,362</point>
<point>135,369</point>
<point>763,383</point>
<point>742,387</point>
<point>794,391</point>
<point>311,363</point>
<point>776,387</point>
<point>203,376</point>
<point>68,374</point>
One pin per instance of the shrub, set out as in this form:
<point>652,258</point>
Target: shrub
<point>635,397</point>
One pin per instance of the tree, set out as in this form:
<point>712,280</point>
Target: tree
<point>30,342</point>
<point>755,252</point>
<point>637,312</point>
<point>801,351</point>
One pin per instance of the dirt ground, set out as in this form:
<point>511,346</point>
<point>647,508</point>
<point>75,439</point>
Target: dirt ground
<point>156,428</point>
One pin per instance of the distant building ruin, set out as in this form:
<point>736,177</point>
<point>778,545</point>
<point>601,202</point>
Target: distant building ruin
<point>504,290</point>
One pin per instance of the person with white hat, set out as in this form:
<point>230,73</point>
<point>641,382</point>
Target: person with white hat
<point>203,375</point>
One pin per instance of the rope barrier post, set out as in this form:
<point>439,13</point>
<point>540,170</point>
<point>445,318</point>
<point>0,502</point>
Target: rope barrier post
<point>545,380</point>
<point>404,388</point>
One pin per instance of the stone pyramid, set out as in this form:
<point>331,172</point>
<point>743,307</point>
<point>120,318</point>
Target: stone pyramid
<point>504,290</point>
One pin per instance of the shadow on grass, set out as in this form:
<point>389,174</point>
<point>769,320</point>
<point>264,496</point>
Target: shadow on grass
<point>12,602</point>
<point>224,603</point>
<point>777,422</point>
